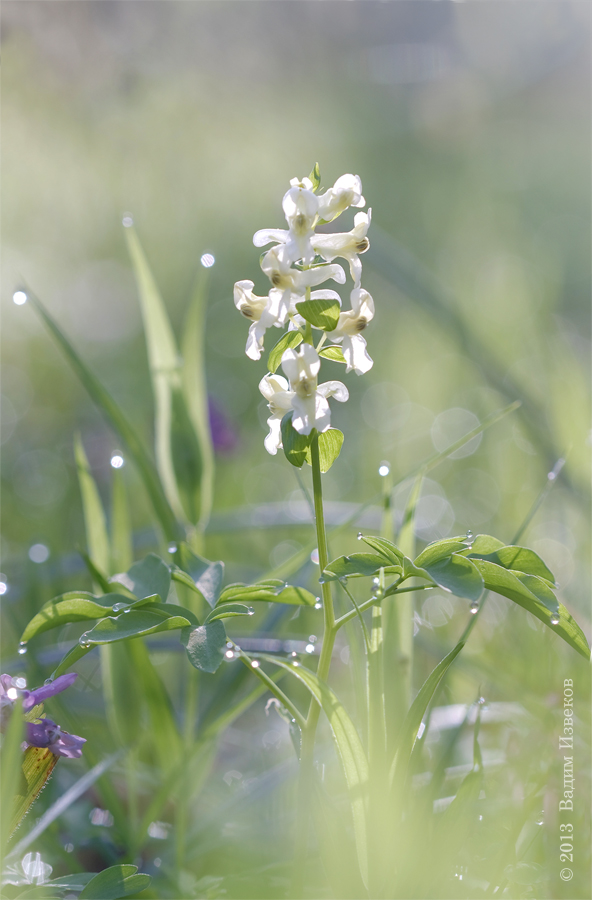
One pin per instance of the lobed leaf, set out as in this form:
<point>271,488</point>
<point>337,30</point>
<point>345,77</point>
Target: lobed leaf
<point>75,606</point>
<point>205,645</point>
<point>135,624</point>
<point>149,576</point>
<point>114,883</point>
<point>458,575</point>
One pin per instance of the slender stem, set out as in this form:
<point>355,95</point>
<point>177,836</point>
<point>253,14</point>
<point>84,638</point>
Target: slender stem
<point>374,600</point>
<point>270,683</point>
<point>306,778</point>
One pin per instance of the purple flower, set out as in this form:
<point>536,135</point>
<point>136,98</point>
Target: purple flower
<point>45,733</point>
<point>10,690</point>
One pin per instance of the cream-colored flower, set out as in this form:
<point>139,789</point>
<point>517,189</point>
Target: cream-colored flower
<point>276,391</point>
<point>348,332</point>
<point>262,312</point>
<point>347,245</point>
<point>309,399</point>
<point>346,192</point>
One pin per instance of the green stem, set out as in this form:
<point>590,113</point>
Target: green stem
<point>346,617</point>
<point>306,777</point>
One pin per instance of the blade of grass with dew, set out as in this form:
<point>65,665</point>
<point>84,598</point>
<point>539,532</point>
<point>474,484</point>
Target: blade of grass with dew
<point>95,524</point>
<point>118,421</point>
<point>122,553</point>
<point>196,397</point>
<point>165,368</point>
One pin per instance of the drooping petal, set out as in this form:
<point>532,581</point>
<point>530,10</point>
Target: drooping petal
<point>334,389</point>
<point>362,304</point>
<point>268,235</point>
<point>346,192</point>
<point>356,354</point>
<point>273,441</point>
<point>271,384</point>
<point>318,274</point>
<point>311,412</point>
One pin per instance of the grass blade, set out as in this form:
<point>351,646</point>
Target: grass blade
<point>118,421</point>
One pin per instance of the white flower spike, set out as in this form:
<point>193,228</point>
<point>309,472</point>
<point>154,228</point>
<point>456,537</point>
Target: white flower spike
<point>261,311</point>
<point>348,332</point>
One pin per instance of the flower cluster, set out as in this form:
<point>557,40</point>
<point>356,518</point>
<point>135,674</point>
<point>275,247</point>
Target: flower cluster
<point>300,261</point>
<point>41,732</point>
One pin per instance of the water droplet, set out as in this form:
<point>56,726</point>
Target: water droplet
<point>251,611</point>
<point>480,818</point>
<point>119,606</point>
<point>229,644</point>
<point>22,648</point>
<point>127,221</point>
<point>127,610</point>
<point>343,579</point>
<point>84,644</point>
<point>21,683</point>
<point>255,664</point>
<point>47,681</point>
<point>314,556</point>
<point>172,548</point>
<point>541,819</point>
<point>312,638</point>
<point>474,607</point>
<point>19,297</point>
<point>117,461</point>
<point>69,848</point>
<point>376,582</point>
<point>38,553</point>
<point>318,603</point>
<point>481,701</point>
<point>360,535</point>
<point>3,587</point>
<point>229,654</point>
<point>293,653</point>
<point>310,648</point>
<point>384,469</point>
<point>237,648</point>
<point>207,260</point>
<point>295,663</point>
<point>554,619</point>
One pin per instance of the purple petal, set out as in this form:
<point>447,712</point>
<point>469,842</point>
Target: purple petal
<point>32,698</point>
<point>42,733</point>
<point>69,745</point>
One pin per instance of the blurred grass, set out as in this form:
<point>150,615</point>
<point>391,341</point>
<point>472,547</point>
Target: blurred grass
<point>469,125</point>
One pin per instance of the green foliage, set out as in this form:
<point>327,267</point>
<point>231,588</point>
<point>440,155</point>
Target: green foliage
<point>333,353</point>
<point>205,645</point>
<point>272,593</point>
<point>75,606</point>
<point>296,445</point>
<point>289,340</point>
<point>114,883</point>
<point>147,577</point>
<point>136,624</point>
<point>320,313</point>
<point>205,577</point>
<point>315,177</point>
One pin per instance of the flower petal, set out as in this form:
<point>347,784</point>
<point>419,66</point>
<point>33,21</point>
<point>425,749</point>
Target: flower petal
<point>356,355</point>
<point>267,235</point>
<point>334,389</point>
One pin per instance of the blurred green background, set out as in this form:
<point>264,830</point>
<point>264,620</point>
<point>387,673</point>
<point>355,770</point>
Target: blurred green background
<point>469,124</point>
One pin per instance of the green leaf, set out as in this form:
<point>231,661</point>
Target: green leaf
<point>356,564</point>
<point>288,341</point>
<point>228,611</point>
<point>410,570</point>
<point>118,421</point>
<point>349,748</point>
<point>161,715</point>
<point>320,313</point>
<point>114,883</point>
<point>334,353</point>
<point>123,693</point>
<point>330,443</point>
<point>149,576</point>
<point>518,559</point>
<point>134,624</point>
<point>483,545</point>
<point>206,576</point>
<point>195,391</point>
<point>315,177</point>
<point>290,594</point>
<point>71,607</point>
<point>439,550</point>
<point>205,645</point>
<point>457,575</point>
<point>521,589</point>
<point>392,555</point>
<point>186,456</point>
<point>95,525</point>
<point>10,770</point>
<point>415,715</point>
<point>37,765</point>
<point>296,446</point>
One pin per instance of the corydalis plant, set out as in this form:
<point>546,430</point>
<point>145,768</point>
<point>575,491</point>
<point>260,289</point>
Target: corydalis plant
<point>300,260</point>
